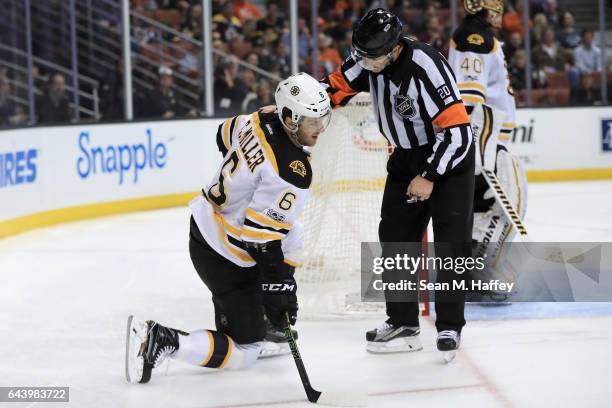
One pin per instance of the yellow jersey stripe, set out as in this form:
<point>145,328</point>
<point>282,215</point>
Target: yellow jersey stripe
<point>495,46</point>
<point>486,133</point>
<point>291,263</point>
<point>226,140</point>
<point>471,85</point>
<point>237,252</point>
<point>211,349</point>
<point>267,235</point>
<point>264,143</point>
<point>472,98</point>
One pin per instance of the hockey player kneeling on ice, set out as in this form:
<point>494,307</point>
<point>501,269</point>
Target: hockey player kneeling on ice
<point>244,238</point>
<point>478,62</point>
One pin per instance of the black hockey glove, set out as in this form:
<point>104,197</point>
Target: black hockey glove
<point>279,298</point>
<point>277,283</point>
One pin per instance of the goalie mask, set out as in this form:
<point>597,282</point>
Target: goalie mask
<point>303,99</point>
<point>475,6</point>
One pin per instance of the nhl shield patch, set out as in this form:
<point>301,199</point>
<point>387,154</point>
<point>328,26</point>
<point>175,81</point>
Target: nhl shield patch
<point>404,106</point>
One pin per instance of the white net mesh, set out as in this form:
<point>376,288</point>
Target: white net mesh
<point>349,168</point>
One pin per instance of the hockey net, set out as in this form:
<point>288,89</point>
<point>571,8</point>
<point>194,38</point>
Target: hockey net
<point>349,172</point>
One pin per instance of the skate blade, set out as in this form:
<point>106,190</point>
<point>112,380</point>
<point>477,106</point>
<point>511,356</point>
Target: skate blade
<point>449,356</point>
<point>134,363</point>
<point>401,345</point>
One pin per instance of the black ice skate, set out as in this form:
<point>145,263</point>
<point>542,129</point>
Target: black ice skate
<point>148,345</point>
<point>448,343</point>
<point>393,339</point>
<point>275,343</point>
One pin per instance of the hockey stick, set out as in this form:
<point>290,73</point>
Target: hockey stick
<point>318,397</point>
<point>550,254</point>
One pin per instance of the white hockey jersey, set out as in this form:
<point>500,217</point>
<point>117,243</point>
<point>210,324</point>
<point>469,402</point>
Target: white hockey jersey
<point>258,192</point>
<point>478,62</point>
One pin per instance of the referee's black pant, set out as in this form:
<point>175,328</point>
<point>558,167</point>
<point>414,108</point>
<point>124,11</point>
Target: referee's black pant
<point>451,209</point>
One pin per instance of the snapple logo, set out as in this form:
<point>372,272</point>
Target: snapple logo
<point>122,160</point>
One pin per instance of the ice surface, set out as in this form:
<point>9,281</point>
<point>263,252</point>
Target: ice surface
<point>66,292</point>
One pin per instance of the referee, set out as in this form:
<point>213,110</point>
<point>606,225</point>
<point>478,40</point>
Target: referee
<point>430,173</point>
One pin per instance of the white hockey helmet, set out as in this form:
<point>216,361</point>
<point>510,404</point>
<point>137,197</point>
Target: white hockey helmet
<point>301,96</point>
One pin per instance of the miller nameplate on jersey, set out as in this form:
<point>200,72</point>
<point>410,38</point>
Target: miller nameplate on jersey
<point>250,148</point>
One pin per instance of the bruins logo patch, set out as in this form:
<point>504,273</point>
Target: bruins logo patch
<point>298,167</point>
<point>475,39</point>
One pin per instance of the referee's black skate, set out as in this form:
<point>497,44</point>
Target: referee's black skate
<point>275,342</point>
<point>148,345</point>
<point>388,338</point>
<point>448,343</point>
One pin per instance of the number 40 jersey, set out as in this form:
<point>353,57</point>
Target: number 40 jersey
<point>258,192</point>
<point>478,62</point>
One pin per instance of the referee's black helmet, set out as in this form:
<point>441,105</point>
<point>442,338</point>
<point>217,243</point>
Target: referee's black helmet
<point>376,33</point>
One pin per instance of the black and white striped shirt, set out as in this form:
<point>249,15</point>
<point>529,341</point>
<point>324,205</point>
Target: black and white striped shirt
<point>416,103</point>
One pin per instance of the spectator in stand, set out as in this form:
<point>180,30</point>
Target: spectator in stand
<point>193,21</point>
<point>245,10</point>
<point>162,101</point>
<point>172,4</point>
<point>434,35</point>
<point>550,56</point>
<point>54,106</point>
<point>355,11</point>
<point>280,59</point>
<point>586,94</point>
<point>419,21</point>
<point>304,40</point>
<point>569,37</point>
<point>10,112</point>
<point>517,73</point>
<point>253,59</point>
<point>189,64</point>
<point>262,98</point>
<point>514,43</point>
<point>229,89</point>
<point>344,46</point>
<point>329,57</point>
<point>226,24</point>
<point>272,20</point>
<point>587,55</point>
<point>111,92</point>
<point>512,21</point>
<point>540,24</point>
<point>552,13</point>
<point>249,79</point>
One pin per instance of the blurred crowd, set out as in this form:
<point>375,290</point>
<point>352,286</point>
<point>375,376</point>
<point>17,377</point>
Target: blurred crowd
<point>253,42</point>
